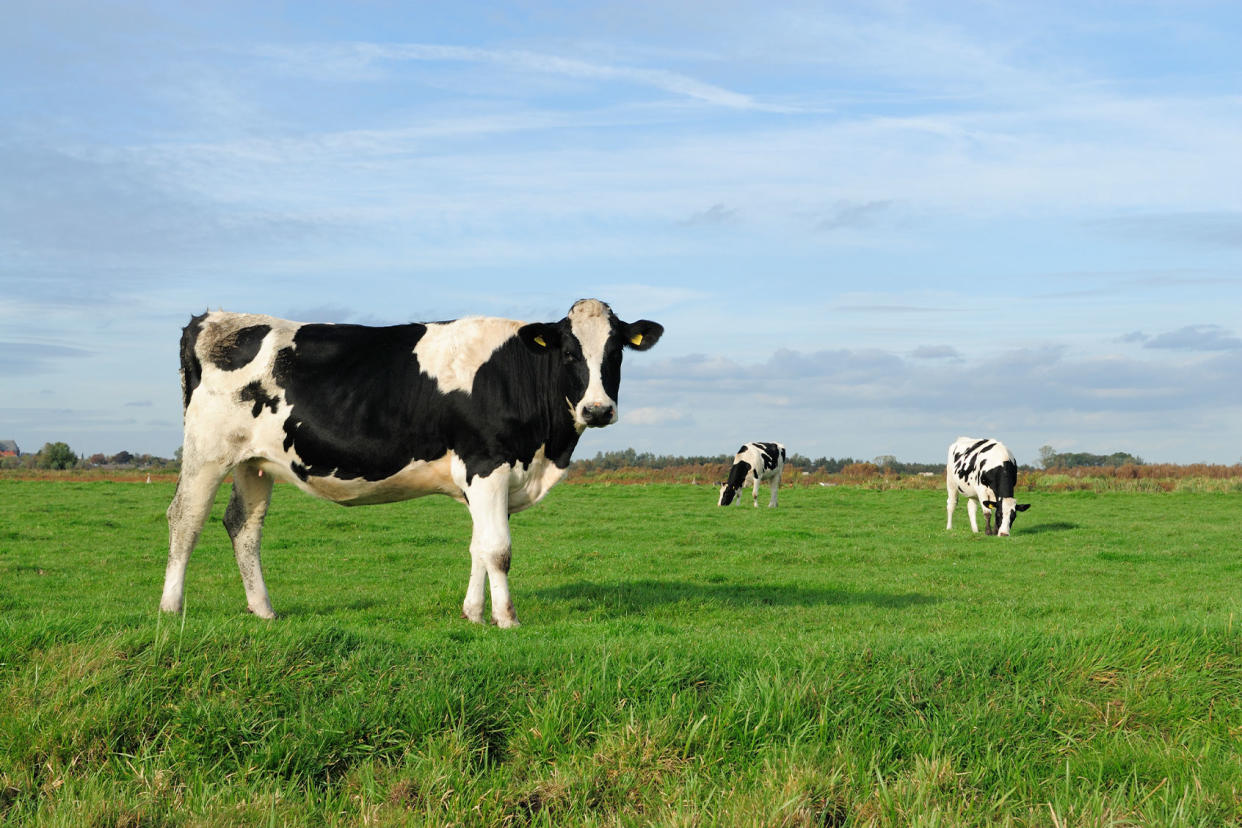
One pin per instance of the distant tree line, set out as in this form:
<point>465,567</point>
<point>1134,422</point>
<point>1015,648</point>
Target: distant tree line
<point>628,459</point>
<point>1050,458</point>
<point>59,455</point>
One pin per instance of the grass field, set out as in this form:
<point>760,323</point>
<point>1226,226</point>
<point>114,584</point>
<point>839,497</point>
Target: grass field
<point>841,660</point>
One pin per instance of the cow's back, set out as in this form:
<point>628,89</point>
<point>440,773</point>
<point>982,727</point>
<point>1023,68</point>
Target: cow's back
<point>971,458</point>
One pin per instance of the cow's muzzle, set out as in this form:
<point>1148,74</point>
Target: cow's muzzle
<point>599,414</point>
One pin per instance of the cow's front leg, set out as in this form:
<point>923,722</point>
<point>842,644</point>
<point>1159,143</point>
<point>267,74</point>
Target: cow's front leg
<point>970,512</point>
<point>490,548</point>
<point>754,494</point>
<point>951,504</point>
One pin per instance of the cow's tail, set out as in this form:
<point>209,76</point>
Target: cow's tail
<point>191,368</point>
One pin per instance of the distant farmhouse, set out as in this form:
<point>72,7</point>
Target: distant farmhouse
<point>8,448</point>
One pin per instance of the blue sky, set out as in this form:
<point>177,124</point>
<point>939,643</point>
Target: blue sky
<point>868,228</point>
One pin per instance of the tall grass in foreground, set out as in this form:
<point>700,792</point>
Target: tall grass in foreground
<point>841,660</point>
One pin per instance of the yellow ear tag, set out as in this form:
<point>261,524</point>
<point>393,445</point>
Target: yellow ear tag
<point>539,341</point>
<point>636,339</point>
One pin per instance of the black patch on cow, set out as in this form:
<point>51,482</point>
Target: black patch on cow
<point>1001,479</point>
<point>354,391</point>
<point>255,392</point>
<point>977,444</point>
<point>739,473</point>
<point>239,348</point>
<point>191,368</point>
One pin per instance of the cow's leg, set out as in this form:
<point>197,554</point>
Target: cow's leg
<point>490,548</point>
<point>970,511</point>
<point>776,485</point>
<point>951,504</point>
<point>243,519</point>
<point>754,493</point>
<point>191,504</point>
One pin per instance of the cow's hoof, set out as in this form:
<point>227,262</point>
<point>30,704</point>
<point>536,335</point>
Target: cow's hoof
<point>507,623</point>
<point>265,614</point>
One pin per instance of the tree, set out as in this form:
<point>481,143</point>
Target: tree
<point>1047,456</point>
<point>56,456</point>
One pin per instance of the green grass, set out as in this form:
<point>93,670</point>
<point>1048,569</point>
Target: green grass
<point>841,660</point>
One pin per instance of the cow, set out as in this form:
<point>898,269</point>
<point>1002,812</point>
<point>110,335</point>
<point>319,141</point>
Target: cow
<point>753,464</point>
<point>984,471</point>
<point>485,410</point>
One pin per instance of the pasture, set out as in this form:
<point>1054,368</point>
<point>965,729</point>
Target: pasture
<point>840,660</point>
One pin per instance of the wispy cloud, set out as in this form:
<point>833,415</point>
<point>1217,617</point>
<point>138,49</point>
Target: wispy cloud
<point>364,61</point>
<point>1218,228</point>
<point>850,215</point>
<point>715,215</point>
<point>1196,338</point>
<point>936,352</point>
<point>24,358</point>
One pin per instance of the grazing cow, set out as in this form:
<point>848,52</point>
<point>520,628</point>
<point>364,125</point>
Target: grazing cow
<point>485,410</point>
<point>753,464</point>
<point>986,473</point>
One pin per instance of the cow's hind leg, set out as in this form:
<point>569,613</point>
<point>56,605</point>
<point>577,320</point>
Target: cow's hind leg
<point>951,504</point>
<point>243,519</point>
<point>490,548</point>
<point>776,485</point>
<point>191,504</point>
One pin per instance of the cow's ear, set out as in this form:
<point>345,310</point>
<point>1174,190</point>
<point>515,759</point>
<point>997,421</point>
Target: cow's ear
<point>540,337</point>
<point>642,334</point>
<point>1022,507</point>
<point>991,504</point>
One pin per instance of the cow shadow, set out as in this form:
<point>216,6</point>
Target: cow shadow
<point>1055,526</point>
<point>637,597</point>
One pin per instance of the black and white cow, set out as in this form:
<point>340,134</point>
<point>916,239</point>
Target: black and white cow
<point>485,410</point>
<point>753,464</point>
<point>986,473</point>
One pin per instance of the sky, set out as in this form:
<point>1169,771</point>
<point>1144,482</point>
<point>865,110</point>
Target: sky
<point>868,228</point>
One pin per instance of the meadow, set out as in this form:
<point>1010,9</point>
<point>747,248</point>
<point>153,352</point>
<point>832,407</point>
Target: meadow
<point>841,660</point>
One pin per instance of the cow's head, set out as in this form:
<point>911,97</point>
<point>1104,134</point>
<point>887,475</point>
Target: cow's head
<point>727,494</point>
<point>589,341</point>
<point>1006,512</point>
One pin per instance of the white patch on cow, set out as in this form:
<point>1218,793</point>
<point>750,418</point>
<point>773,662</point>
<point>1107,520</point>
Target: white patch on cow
<point>451,352</point>
<point>591,322</point>
<point>418,479</point>
<point>528,484</point>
